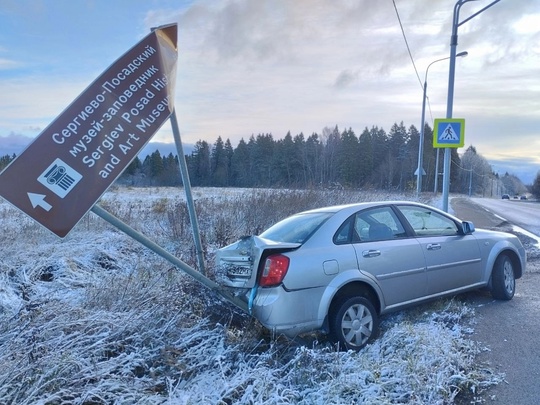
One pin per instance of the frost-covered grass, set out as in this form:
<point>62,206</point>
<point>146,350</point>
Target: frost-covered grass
<point>98,319</point>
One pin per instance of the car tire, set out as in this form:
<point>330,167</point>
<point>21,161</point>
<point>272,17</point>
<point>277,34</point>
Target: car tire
<point>353,323</point>
<point>503,279</point>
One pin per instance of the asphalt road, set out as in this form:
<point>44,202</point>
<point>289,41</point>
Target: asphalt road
<point>525,214</point>
<point>510,330</point>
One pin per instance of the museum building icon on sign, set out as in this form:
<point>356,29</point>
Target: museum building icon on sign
<point>60,178</point>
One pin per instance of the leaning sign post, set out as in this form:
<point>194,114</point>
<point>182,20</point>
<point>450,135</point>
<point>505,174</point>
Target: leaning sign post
<point>59,177</point>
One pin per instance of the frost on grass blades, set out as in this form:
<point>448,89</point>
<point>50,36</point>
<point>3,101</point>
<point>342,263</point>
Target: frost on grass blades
<point>97,319</point>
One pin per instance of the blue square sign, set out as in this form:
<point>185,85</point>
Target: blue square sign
<point>449,133</point>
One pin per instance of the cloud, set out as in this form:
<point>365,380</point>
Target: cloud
<point>345,79</point>
<point>31,103</point>
<point>8,64</point>
<point>13,144</point>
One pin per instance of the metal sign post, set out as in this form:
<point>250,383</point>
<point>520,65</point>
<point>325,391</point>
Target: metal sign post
<point>139,237</point>
<point>189,196</point>
<point>450,100</point>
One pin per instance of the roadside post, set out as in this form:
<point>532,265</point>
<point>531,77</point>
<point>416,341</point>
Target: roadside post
<point>450,99</point>
<point>189,196</point>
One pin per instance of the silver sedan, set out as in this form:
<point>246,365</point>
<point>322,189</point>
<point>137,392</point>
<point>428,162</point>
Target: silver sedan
<point>337,269</point>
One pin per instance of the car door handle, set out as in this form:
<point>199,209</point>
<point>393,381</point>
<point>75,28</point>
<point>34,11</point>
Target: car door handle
<point>433,246</point>
<point>371,253</point>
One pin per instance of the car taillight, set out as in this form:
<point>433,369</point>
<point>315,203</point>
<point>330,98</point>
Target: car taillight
<point>274,271</point>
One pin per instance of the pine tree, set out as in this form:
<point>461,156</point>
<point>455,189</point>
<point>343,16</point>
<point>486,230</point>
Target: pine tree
<point>229,152</point>
<point>379,142</point>
<point>219,164</point>
<point>365,157</point>
<point>396,156</point>
<point>134,167</point>
<point>332,141</point>
<point>240,166</point>
<point>348,160</point>
<point>199,165</point>
<point>153,167</point>
<point>312,155</point>
<point>6,160</point>
<point>299,164</point>
<point>411,160</point>
<point>430,158</point>
<point>264,160</point>
<point>171,172</point>
<point>284,158</point>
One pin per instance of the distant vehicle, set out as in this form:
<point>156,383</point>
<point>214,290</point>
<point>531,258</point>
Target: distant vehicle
<point>523,197</point>
<point>337,269</point>
<point>505,197</point>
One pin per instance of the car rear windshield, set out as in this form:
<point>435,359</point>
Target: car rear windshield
<point>296,229</point>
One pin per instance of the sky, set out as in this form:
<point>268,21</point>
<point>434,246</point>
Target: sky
<point>247,67</point>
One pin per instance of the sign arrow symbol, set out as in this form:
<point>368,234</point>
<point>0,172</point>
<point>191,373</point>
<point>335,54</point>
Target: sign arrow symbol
<point>39,199</point>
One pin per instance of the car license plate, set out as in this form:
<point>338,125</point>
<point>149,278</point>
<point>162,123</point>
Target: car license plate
<point>239,271</point>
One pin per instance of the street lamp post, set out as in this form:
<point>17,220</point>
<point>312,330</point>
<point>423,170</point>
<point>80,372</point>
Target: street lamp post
<point>436,185</point>
<point>420,170</point>
<point>451,75</point>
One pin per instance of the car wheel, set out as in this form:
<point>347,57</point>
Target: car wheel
<point>353,323</point>
<point>503,279</point>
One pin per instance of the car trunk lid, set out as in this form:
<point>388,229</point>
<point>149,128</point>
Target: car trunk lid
<point>237,264</point>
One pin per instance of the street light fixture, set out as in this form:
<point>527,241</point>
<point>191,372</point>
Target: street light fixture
<point>420,170</point>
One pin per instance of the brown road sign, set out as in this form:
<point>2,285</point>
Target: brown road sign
<point>68,167</point>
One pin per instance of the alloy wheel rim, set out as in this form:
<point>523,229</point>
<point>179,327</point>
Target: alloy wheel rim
<point>357,325</point>
<point>509,280</point>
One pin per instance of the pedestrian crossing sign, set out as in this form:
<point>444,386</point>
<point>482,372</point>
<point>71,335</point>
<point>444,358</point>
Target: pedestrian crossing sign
<point>449,133</point>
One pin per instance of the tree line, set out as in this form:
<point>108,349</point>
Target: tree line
<point>374,159</point>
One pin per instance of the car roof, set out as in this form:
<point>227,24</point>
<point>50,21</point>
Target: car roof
<point>357,206</point>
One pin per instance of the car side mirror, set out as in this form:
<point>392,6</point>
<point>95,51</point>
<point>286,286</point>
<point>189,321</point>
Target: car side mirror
<point>468,227</point>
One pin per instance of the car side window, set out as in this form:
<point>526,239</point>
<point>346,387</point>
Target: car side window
<point>378,224</point>
<point>426,222</point>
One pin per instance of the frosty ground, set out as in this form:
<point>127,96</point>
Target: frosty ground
<point>96,318</point>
